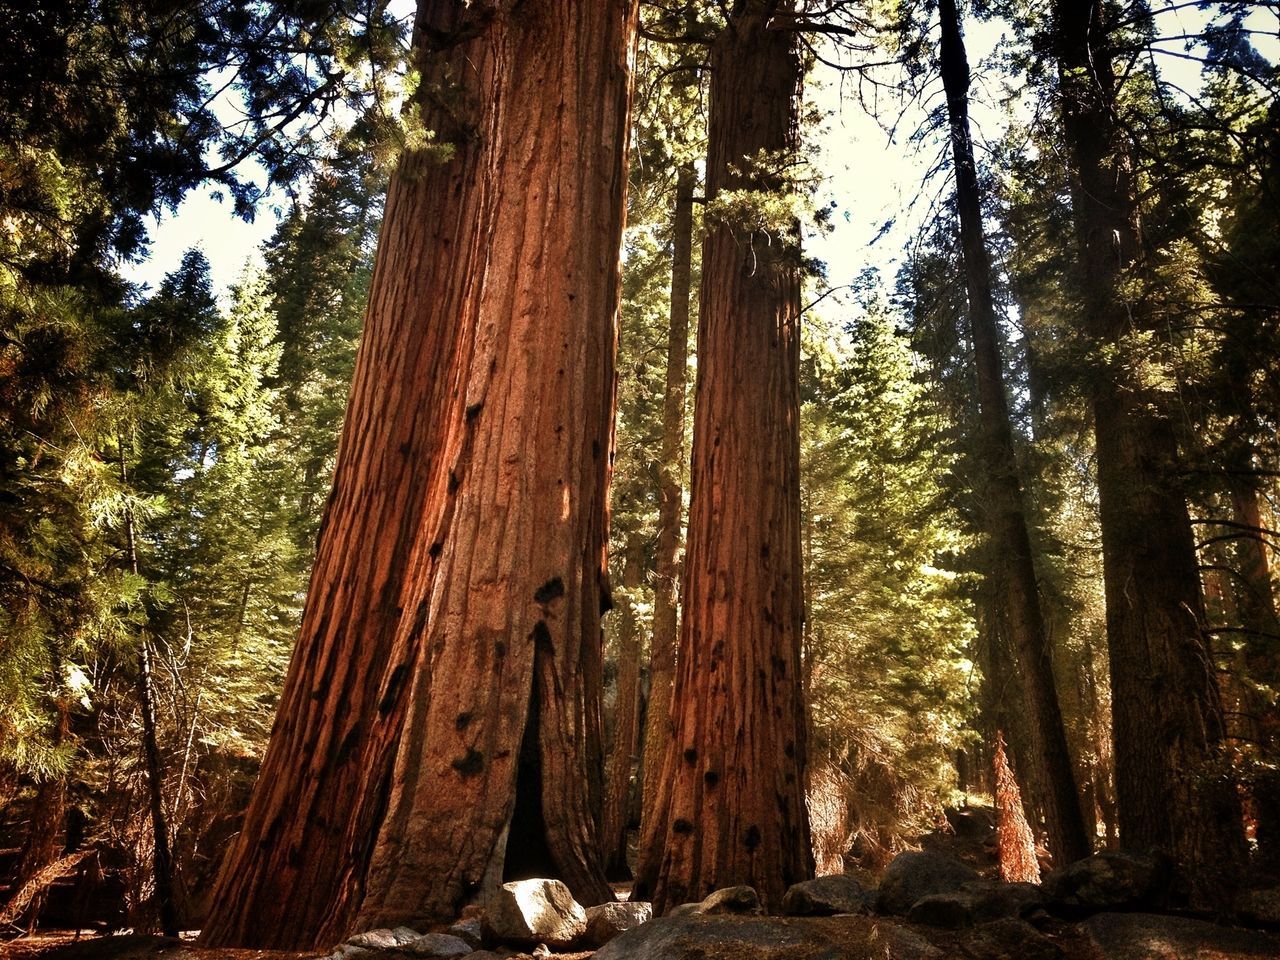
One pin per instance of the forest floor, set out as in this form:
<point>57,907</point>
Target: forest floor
<point>1104,936</point>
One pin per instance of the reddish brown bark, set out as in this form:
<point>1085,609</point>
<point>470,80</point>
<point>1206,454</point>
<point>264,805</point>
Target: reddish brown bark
<point>439,343</point>
<point>1173,785</point>
<point>662,645</point>
<point>731,807</point>
<point>626,716</point>
<point>498,775</point>
<point>1012,568</point>
<point>1015,844</point>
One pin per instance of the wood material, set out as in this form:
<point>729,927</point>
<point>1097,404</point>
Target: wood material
<point>731,806</point>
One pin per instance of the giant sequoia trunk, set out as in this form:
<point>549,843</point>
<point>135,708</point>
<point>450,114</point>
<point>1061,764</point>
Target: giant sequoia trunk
<point>1012,569</point>
<point>1173,787</point>
<point>731,803</point>
<point>662,645</point>
<point>476,447</point>
<point>498,773</point>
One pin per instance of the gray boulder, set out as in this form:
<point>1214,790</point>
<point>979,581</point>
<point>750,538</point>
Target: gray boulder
<point>439,945</point>
<point>1145,936</point>
<point>384,939</point>
<point>1260,905</point>
<point>825,896</point>
<point>606,921</point>
<point>760,938</point>
<point>947,911</point>
<point>469,929</point>
<point>685,910</point>
<point>1111,880</point>
<point>913,875</point>
<point>738,900</point>
<point>980,901</point>
<point>528,912</point>
<point>1010,939</point>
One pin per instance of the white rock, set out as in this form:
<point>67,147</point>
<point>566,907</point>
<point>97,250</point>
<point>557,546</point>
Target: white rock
<point>535,911</point>
<point>606,921</point>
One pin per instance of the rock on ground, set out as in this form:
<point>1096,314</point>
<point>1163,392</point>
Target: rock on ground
<point>439,945</point>
<point>757,938</point>
<point>535,911</point>
<point>469,929</point>
<point>1146,936</point>
<point>740,900</point>
<point>1260,905</point>
<point>606,921</point>
<point>384,939</point>
<point>1111,880</point>
<point>825,896</point>
<point>1012,939</point>
<point>916,874</point>
<point>980,901</point>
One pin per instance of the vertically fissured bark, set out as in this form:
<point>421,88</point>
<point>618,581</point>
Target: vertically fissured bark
<point>731,804</point>
<point>476,440</point>
<point>498,773</point>
<point>662,645</point>
<point>1173,785</point>
<point>1012,567</point>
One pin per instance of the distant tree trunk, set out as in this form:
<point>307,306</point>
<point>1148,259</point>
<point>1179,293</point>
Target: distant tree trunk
<point>1174,790</point>
<point>626,714</point>
<point>662,645</point>
<point>485,368</point>
<point>1015,843</point>
<point>1255,598</point>
<point>162,857</point>
<point>731,804</point>
<point>1256,611</point>
<point>1013,569</point>
<point>44,840</point>
<point>499,772</point>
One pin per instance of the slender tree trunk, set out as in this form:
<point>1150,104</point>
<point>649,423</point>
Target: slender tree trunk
<point>1255,597</point>
<point>1015,843</point>
<point>1052,776</point>
<point>162,859</point>
<point>662,645</point>
<point>613,830</point>
<point>416,415</point>
<point>1173,787</point>
<point>1256,611</point>
<point>498,775</point>
<point>731,805</point>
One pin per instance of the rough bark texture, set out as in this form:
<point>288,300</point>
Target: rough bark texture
<point>626,715</point>
<point>731,807</point>
<point>662,645</point>
<point>438,342</point>
<point>1013,569</point>
<point>1173,787</point>
<point>498,775</point>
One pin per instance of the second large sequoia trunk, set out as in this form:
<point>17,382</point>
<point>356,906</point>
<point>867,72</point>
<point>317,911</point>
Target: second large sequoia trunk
<point>731,804</point>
